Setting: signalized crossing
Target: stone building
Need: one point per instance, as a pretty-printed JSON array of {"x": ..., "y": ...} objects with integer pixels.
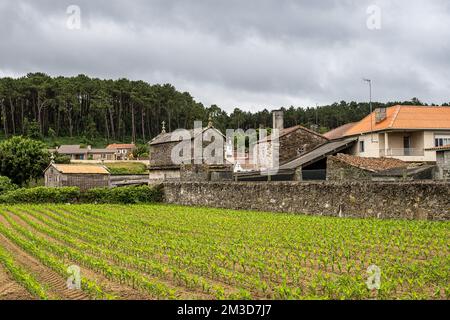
[
  {"x": 443, "y": 162},
  {"x": 83, "y": 176},
  {"x": 292, "y": 143},
  {"x": 193, "y": 167}
]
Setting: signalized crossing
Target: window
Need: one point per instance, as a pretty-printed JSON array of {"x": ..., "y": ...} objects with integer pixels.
[
  {"x": 361, "y": 147},
  {"x": 442, "y": 140}
]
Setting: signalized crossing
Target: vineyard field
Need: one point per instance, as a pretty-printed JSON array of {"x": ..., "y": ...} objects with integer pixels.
[{"x": 149, "y": 252}]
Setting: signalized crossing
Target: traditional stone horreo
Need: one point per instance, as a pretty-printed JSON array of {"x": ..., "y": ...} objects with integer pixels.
[
  {"x": 83, "y": 176},
  {"x": 193, "y": 166}
]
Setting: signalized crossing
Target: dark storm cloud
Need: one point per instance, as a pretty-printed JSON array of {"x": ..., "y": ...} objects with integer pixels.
[{"x": 252, "y": 54}]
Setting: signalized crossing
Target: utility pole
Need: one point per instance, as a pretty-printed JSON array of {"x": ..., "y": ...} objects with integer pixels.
[{"x": 369, "y": 81}]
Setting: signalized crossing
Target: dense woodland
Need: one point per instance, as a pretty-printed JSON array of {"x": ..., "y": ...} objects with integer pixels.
[{"x": 124, "y": 110}]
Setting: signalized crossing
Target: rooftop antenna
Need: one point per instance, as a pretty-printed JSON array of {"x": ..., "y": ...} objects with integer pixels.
[
  {"x": 317, "y": 114},
  {"x": 369, "y": 81}
]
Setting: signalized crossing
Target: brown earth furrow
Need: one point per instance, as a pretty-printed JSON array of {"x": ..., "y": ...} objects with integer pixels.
[
  {"x": 57, "y": 287},
  {"x": 118, "y": 289},
  {"x": 10, "y": 289},
  {"x": 121, "y": 291}
]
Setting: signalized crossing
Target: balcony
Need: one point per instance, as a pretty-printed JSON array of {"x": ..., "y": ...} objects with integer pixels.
[{"x": 402, "y": 152}]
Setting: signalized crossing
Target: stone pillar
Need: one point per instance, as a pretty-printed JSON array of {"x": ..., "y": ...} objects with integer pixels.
[
  {"x": 386, "y": 144},
  {"x": 298, "y": 176}
]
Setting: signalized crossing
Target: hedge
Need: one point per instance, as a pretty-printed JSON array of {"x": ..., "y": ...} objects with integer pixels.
[{"x": 141, "y": 194}]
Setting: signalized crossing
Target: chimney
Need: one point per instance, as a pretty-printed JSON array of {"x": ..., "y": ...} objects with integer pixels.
[
  {"x": 380, "y": 115},
  {"x": 278, "y": 120}
]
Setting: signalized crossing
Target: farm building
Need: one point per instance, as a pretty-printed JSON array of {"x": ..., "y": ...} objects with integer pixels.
[
  {"x": 443, "y": 162},
  {"x": 83, "y": 176},
  {"x": 292, "y": 142},
  {"x": 193, "y": 167},
  {"x": 76, "y": 152}
]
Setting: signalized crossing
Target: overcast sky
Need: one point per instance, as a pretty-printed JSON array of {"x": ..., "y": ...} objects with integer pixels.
[{"x": 253, "y": 54}]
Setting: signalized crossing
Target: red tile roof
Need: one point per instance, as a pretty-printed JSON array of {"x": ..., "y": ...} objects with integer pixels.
[
  {"x": 121, "y": 146},
  {"x": 442, "y": 148},
  {"x": 339, "y": 132},
  {"x": 405, "y": 117}
]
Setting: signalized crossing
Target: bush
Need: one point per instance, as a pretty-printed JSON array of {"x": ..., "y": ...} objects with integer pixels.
[
  {"x": 61, "y": 158},
  {"x": 142, "y": 194},
  {"x": 6, "y": 185},
  {"x": 42, "y": 195},
  {"x": 126, "y": 195}
]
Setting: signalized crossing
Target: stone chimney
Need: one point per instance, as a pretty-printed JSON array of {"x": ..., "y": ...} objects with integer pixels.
[
  {"x": 278, "y": 119},
  {"x": 380, "y": 115}
]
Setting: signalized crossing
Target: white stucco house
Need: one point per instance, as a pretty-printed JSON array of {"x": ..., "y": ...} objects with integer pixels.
[{"x": 403, "y": 132}]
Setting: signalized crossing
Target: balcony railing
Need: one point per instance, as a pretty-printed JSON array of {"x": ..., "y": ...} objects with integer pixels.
[{"x": 402, "y": 152}]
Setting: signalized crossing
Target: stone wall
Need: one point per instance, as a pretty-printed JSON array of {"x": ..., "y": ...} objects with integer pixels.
[
  {"x": 161, "y": 154},
  {"x": 383, "y": 200}
]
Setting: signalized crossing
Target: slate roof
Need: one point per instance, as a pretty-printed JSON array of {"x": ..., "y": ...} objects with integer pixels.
[
  {"x": 71, "y": 149},
  {"x": 287, "y": 131},
  {"x": 173, "y": 137},
  {"x": 319, "y": 153}
]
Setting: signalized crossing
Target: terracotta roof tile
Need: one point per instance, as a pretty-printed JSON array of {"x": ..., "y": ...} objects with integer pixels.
[
  {"x": 442, "y": 148},
  {"x": 405, "y": 117},
  {"x": 339, "y": 132},
  {"x": 121, "y": 146}
]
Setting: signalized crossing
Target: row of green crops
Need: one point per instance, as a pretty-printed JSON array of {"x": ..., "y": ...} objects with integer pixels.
[
  {"x": 23, "y": 277},
  {"x": 179, "y": 252}
]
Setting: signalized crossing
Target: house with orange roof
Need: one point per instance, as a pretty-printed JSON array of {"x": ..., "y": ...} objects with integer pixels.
[
  {"x": 403, "y": 132},
  {"x": 123, "y": 151}
]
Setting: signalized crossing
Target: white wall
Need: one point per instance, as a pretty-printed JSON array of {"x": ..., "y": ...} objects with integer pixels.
[{"x": 419, "y": 140}]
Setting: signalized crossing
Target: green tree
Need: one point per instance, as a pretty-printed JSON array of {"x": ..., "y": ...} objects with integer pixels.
[
  {"x": 23, "y": 159},
  {"x": 34, "y": 131},
  {"x": 6, "y": 185}
]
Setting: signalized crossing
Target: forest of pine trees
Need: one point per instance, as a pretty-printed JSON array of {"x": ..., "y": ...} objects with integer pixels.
[{"x": 124, "y": 110}]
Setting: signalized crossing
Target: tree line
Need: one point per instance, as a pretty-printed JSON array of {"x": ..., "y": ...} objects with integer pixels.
[{"x": 125, "y": 110}]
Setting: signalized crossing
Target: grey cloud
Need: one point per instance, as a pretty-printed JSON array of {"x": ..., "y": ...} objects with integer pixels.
[{"x": 252, "y": 54}]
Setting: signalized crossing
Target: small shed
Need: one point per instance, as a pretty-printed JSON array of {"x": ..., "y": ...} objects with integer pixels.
[
  {"x": 83, "y": 176},
  {"x": 442, "y": 162}
]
